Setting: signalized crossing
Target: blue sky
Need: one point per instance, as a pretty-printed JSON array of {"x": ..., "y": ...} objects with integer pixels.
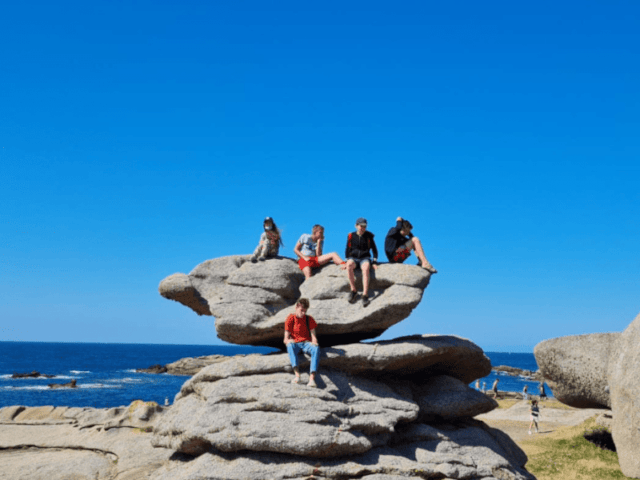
[{"x": 138, "y": 139}]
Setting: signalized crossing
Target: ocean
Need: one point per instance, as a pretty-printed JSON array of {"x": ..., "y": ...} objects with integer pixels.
[{"x": 106, "y": 373}]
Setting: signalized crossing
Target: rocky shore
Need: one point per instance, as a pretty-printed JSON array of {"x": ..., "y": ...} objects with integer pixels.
[{"x": 394, "y": 409}]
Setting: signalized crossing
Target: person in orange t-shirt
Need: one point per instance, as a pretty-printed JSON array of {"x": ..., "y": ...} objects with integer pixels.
[{"x": 300, "y": 336}]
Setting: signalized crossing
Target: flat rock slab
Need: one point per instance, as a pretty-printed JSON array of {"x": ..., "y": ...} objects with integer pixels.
[
  {"x": 251, "y": 300},
  {"x": 50, "y": 443},
  {"x": 455, "y": 451}
]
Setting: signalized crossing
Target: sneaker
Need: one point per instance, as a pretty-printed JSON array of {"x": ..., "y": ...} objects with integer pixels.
[
  {"x": 312, "y": 383},
  {"x": 262, "y": 259},
  {"x": 254, "y": 258},
  {"x": 365, "y": 300},
  {"x": 352, "y": 296}
]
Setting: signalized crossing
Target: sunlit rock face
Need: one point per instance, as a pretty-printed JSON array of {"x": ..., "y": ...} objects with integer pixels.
[{"x": 251, "y": 301}]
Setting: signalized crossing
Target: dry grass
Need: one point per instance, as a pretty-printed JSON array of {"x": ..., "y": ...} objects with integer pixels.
[{"x": 566, "y": 455}]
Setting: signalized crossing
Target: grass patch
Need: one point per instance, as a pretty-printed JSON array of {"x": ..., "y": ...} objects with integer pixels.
[{"x": 567, "y": 455}]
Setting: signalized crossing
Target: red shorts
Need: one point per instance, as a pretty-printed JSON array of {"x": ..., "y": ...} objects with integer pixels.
[
  {"x": 313, "y": 263},
  {"x": 401, "y": 255}
]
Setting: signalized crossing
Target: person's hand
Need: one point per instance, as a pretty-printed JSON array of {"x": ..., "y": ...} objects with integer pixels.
[
  {"x": 315, "y": 343},
  {"x": 399, "y": 219},
  {"x": 306, "y": 259},
  {"x": 343, "y": 266},
  {"x": 375, "y": 266}
]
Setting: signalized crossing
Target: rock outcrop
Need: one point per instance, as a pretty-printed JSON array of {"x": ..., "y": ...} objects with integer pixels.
[
  {"x": 251, "y": 300},
  {"x": 48, "y": 443},
  {"x": 575, "y": 368},
  {"x": 603, "y": 371},
  {"x": 395, "y": 409}
]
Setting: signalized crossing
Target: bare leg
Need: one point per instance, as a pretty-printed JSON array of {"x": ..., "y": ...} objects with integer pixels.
[
  {"x": 307, "y": 272},
  {"x": 351, "y": 266},
  {"x": 417, "y": 246},
  {"x": 365, "y": 277},
  {"x": 326, "y": 258}
]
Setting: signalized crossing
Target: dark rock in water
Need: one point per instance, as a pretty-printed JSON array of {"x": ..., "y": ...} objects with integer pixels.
[
  {"x": 519, "y": 372},
  {"x": 71, "y": 384},
  {"x": 33, "y": 374},
  {"x": 251, "y": 300},
  {"x": 153, "y": 369}
]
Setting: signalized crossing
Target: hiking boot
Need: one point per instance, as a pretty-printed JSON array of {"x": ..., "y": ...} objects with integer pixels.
[
  {"x": 365, "y": 300},
  {"x": 262, "y": 258},
  {"x": 352, "y": 296},
  {"x": 254, "y": 258}
]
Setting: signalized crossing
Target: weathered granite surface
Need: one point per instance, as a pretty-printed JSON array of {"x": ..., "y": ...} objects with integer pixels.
[
  {"x": 51, "y": 443},
  {"x": 365, "y": 390},
  {"x": 600, "y": 370},
  {"x": 251, "y": 300},
  {"x": 624, "y": 384},
  {"x": 575, "y": 367},
  {"x": 464, "y": 450}
]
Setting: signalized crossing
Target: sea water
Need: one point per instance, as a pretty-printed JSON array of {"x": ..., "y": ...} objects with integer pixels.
[{"x": 106, "y": 373}]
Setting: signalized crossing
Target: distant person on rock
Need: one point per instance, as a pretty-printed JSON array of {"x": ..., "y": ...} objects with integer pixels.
[
  {"x": 494, "y": 388},
  {"x": 478, "y": 385},
  {"x": 400, "y": 241},
  {"x": 525, "y": 392},
  {"x": 484, "y": 387},
  {"x": 300, "y": 336},
  {"x": 535, "y": 414},
  {"x": 360, "y": 244},
  {"x": 309, "y": 252},
  {"x": 270, "y": 241}
]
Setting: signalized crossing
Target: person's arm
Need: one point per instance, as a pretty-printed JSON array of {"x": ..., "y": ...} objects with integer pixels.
[
  {"x": 375, "y": 252},
  {"x": 314, "y": 339},
  {"x": 297, "y": 251},
  {"x": 287, "y": 337},
  {"x": 319, "y": 246},
  {"x": 347, "y": 250}
]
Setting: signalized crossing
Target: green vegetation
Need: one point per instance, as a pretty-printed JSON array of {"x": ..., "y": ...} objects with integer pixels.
[{"x": 567, "y": 455}]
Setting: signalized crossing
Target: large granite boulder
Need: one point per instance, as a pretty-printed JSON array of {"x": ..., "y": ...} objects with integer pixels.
[
  {"x": 603, "y": 371},
  {"x": 575, "y": 367},
  {"x": 251, "y": 300},
  {"x": 466, "y": 449},
  {"x": 624, "y": 383},
  {"x": 365, "y": 391}
]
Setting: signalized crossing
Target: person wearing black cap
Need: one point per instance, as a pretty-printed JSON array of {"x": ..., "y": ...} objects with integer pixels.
[
  {"x": 360, "y": 244},
  {"x": 400, "y": 241}
]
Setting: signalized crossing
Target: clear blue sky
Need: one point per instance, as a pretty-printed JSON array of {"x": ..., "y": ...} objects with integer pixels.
[{"x": 138, "y": 139}]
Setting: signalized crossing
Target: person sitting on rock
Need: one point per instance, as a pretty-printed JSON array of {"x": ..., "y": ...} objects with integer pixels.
[
  {"x": 400, "y": 241},
  {"x": 300, "y": 336},
  {"x": 270, "y": 241},
  {"x": 358, "y": 253},
  {"x": 309, "y": 251}
]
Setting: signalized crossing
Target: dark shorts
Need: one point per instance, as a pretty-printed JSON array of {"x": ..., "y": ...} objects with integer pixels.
[
  {"x": 401, "y": 255},
  {"x": 312, "y": 263}
]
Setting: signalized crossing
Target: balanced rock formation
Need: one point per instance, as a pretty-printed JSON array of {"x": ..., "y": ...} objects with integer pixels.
[
  {"x": 600, "y": 371},
  {"x": 395, "y": 408},
  {"x": 251, "y": 300},
  {"x": 49, "y": 443}
]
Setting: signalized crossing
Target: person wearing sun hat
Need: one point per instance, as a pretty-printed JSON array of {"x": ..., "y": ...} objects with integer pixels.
[{"x": 360, "y": 244}]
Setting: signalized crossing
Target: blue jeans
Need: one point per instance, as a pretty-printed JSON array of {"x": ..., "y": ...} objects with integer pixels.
[{"x": 307, "y": 347}]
